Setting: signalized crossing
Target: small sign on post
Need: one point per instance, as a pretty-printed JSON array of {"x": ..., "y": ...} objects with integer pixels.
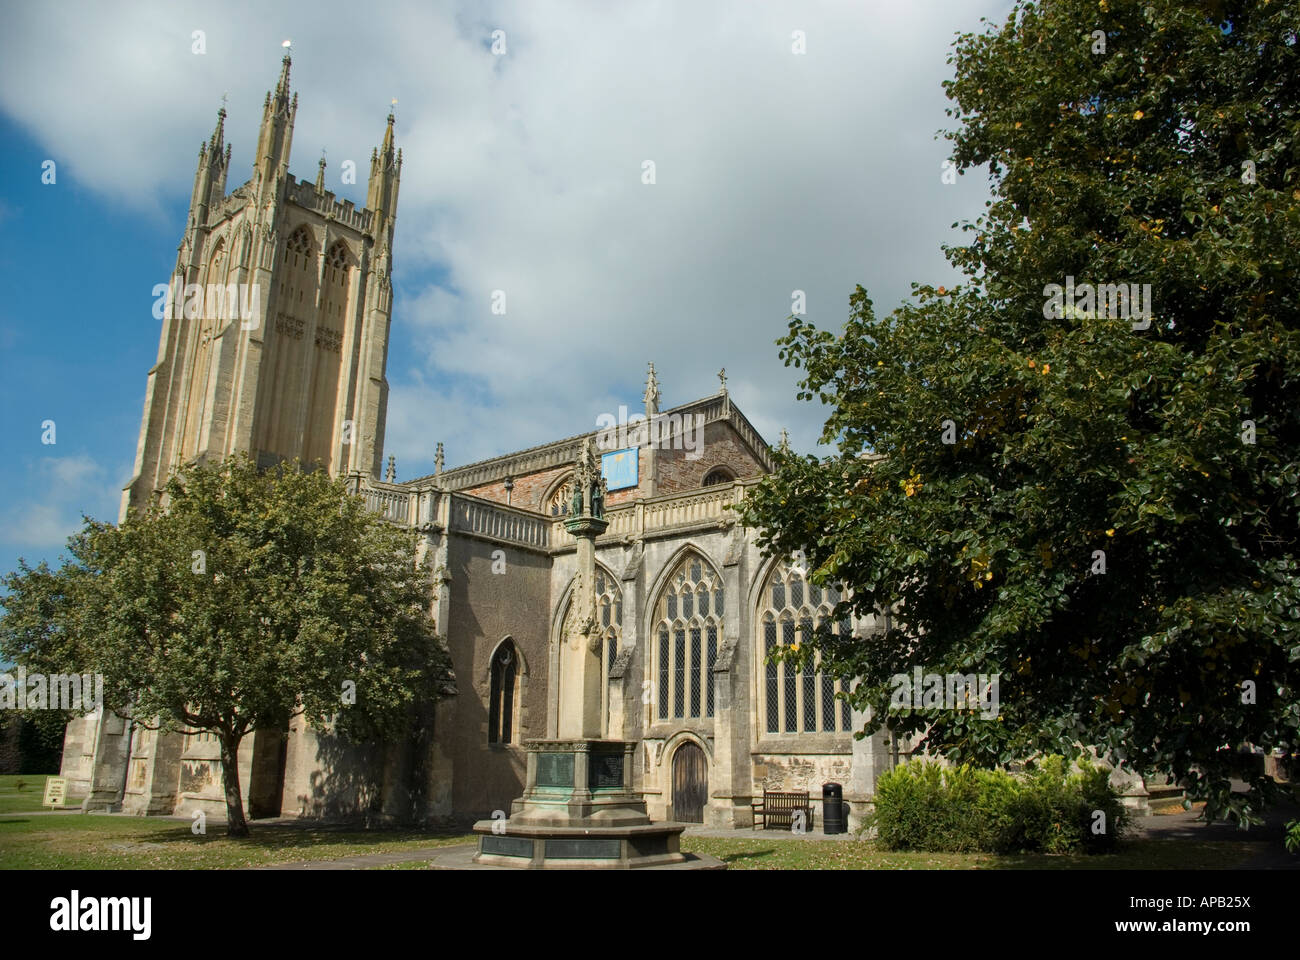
[{"x": 56, "y": 790}]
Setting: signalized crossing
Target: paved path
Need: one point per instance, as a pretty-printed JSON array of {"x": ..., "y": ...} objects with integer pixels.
[
  {"x": 39, "y": 813},
  {"x": 1186, "y": 824}
]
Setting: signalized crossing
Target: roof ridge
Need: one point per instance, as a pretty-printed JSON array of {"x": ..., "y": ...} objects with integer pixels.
[{"x": 465, "y": 467}]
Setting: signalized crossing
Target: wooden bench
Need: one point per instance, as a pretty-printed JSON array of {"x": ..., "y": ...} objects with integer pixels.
[{"x": 778, "y": 809}]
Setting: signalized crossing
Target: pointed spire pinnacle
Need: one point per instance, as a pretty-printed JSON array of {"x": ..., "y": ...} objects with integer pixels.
[
  {"x": 386, "y": 151},
  {"x": 390, "y": 475},
  {"x": 651, "y": 392},
  {"x": 722, "y": 378},
  {"x": 784, "y": 445},
  {"x": 320, "y": 173},
  {"x": 275, "y": 139},
  {"x": 282, "y": 88},
  {"x": 218, "y": 139},
  {"x": 437, "y": 460}
]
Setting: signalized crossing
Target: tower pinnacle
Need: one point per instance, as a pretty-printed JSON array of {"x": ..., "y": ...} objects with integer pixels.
[{"x": 651, "y": 392}]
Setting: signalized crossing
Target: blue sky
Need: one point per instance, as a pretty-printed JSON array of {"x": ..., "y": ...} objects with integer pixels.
[{"x": 522, "y": 172}]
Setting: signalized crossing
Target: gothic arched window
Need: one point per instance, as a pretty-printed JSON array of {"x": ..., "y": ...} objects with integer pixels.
[
  {"x": 333, "y": 300},
  {"x": 337, "y": 258},
  {"x": 557, "y": 505},
  {"x": 216, "y": 261},
  {"x": 501, "y": 698},
  {"x": 298, "y": 248},
  {"x": 798, "y": 699},
  {"x": 688, "y": 627},
  {"x": 609, "y": 610},
  {"x": 716, "y": 476},
  {"x": 299, "y": 274}
]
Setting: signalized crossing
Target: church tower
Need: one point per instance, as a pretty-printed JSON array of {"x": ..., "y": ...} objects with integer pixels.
[{"x": 275, "y": 322}]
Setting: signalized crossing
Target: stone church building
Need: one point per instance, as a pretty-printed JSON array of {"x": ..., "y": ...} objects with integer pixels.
[{"x": 688, "y": 606}]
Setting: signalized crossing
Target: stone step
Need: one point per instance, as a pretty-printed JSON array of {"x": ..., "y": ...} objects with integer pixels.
[
  {"x": 1165, "y": 803},
  {"x": 1164, "y": 792}
]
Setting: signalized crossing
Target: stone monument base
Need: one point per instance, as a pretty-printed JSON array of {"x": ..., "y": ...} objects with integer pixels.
[{"x": 579, "y": 811}]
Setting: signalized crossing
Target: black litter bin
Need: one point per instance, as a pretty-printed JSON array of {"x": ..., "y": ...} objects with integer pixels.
[{"x": 833, "y": 809}]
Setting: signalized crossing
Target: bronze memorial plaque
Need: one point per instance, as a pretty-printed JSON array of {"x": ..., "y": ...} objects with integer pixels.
[
  {"x": 606, "y": 770},
  {"x": 555, "y": 770}
]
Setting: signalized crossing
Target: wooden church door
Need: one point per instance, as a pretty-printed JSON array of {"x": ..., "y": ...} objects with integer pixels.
[{"x": 690, "y": 784}]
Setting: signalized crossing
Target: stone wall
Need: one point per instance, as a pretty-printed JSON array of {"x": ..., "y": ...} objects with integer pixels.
[
  {"x": 529, "y": 491},
  {"x": 485, "y": 608},
  {"x": 677, "y": 469},
  {"x": 678, "y": 473},
  {"x": 797, "y": 773}
]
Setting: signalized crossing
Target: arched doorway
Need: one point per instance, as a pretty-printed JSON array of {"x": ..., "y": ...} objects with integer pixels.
[{"x": 690, "y": 783}]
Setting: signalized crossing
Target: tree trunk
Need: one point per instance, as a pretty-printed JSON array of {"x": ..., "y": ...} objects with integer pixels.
[{"x": 236, "y": 825}]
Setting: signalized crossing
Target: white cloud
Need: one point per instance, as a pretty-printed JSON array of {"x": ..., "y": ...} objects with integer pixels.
[
  {"x": 56, "y": 493},
  {"x": 522, "y": 173}
]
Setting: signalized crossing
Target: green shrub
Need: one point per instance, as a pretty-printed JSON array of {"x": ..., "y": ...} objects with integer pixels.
[
  {"x": 996, "y": 811},
  {"x": 925, "y": 806}
]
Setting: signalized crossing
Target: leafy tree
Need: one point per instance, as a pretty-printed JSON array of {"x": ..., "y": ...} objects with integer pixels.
[
  {"x": 40, "y": 741},
  {"x": 238, "y": 600},
  {"x": 1102, "y": 509}
]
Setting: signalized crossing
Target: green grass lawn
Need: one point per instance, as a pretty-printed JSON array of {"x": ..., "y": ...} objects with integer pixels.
[
  {"x": 14, "y": 799},
  {"x": 96, "y": 842},
  {"x": 813, "y": 853}
]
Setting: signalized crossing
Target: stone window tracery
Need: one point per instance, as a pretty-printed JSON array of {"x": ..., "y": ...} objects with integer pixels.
[
  {"x": 558, "y": 503},
  {"x": 687, "y": 632},
  {"x": 298, "y": 248},
  {"x": 798, "y": 699}
]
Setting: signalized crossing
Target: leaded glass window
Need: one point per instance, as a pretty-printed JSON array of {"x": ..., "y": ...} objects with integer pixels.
[
  {"x": 798, "y": 699},
  {"x": 501, "y": 698},
  {"x": 557, "y": 505},
  {"x": 689, "y": 624}
]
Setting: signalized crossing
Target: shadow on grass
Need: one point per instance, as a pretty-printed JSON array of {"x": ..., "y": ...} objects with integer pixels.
[
  {"x": 293, "y": 836},
  {"x": 744, "y": 855},
  {"x": 1140, "y": 854}
]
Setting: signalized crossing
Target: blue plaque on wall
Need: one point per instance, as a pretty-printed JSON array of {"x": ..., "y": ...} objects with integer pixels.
[{"x": 619, "y": 468}]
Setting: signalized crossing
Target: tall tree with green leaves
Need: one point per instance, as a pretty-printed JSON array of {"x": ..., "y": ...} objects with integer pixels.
[
  {"x": 239, "y": 599},
  {"x": 1096, "y": 501}
]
